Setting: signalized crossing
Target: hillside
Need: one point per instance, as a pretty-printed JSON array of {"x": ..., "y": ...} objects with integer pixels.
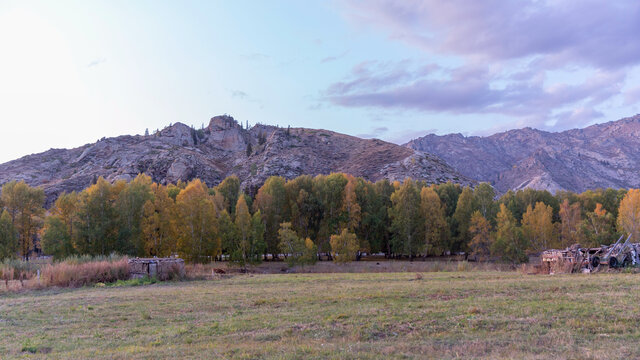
[
  {"x": 179, "y": 152},
  {"x": 603, "y": 155}
]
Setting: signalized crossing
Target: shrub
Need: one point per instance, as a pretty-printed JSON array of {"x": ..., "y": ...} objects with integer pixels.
[
  {"x": 344, "y": 246},
  {"x": 11, "y": 269},
  {"x": 69, "y": 274}
]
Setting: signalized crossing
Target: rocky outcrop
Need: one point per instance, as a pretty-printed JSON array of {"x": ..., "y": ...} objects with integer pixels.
[
  {"x": 603, "y": 155},
  {"x": 180, "y": 152}
]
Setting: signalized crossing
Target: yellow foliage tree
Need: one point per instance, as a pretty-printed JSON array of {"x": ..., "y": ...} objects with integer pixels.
[
  {"x": 570, "y": 216},
  {"x": 271, "y": 201},
  {"x": 197, "y": 239},
  {"x": 509, "y": 242},
  {"x": 66, "y": 207},
  {"x": 158, "y": 223},
  {"x": 243, "y": 226},
  {"x": 629, "y": 214},
  {"x": 537, "y": 227},
  {"x": 350, "y": 204},
  {"x": 344, "y": 246},
  {"x": 434, "y": 221},
  {"x": 480, "y": 230},
  {"x": 24, "y": 205}
]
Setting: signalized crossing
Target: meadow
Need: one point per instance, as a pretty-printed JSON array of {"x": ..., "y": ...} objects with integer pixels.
[{"x": 479, "y": 314}]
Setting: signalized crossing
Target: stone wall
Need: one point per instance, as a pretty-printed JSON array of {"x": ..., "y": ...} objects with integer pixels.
[{"x": 160, "y": 268}]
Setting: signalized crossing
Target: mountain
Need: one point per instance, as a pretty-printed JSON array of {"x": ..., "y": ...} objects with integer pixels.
[
  {"x": 179, "y": 152},
  {"x": 599, "y": 156}
]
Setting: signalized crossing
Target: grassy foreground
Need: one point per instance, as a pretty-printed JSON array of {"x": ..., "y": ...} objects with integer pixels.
[{"x": 369, "y": 316}]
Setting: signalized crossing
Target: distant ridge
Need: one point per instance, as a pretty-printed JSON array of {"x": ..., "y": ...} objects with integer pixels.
[
  {"x": 179, "y": 152},
  {"x": 599, "y": 156}
]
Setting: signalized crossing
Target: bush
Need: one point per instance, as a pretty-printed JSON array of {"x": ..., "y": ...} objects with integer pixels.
[
  {"x": 344, "y": 246},
  {"x": 70, "y": 274},
  {"x": 82, "y": 259},
  {"x": 11, "y": 269}
]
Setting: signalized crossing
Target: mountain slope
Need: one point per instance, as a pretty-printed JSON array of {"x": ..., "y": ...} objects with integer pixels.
[
  {"x": 603, "y": 155},
  {"x": 179, "y": 152}
]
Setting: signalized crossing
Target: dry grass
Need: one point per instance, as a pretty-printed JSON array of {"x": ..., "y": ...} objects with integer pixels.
[
  {"x": 73, "y": 272},
  {"x": 76, "y": 275},
  {"x": 469, "y": 315},
  {"x": 206, "y": 271},
  {"x": 382, "y": 266}
]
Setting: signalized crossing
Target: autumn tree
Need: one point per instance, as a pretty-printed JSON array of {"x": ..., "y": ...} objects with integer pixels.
[
  {"x": 483, "y": 197},
  {"x": 197, "y": 236},
  {"x": 57, "y": 237},
  {"x": 227, "y": 232},
  {"x": 570, "y": 218},
  {"x": 509, "y": 243},
  {"x": 129, "y": 207},
  {"x": 598, "y": 227},
  {"x": 24, "y": 205},
  {"x": 449, "y": 194},
  {"x": 350, "y": 205},
  {"x": 330, "y": 191},
  {"x": 243, "y": 226},
  {"x": 95, "y": 226},
  {"x": 629, "y": 214},
  {"x": 435, "y": 224},
  {"x": 66, "y": 209},
  {"x": 310, "y": 255},
  {"x": 304, "y": 207},
  {"x": 271, "y": 201},
  {"x": 380, "y": 221},
  {"x": 609, "y": 200},
  {"x": 229, "y": 188},
  {"x": 258, "y": 245},
  {"x": 538, "y": 228},
  {"x": 8, "y": 237},
  {"x": 480, "y": 230},
  {"x": 158, "y": 223},
  {"x": 462, "y": 219},
  {"x": 344, "y": 246},
  {"x": 56, "y": 240},
  {"x": 292, "y": 246},
  {"x": 373, "y": 230},
  {"x": 248, "y": 245},
  {"x": 406, "y": 222}
]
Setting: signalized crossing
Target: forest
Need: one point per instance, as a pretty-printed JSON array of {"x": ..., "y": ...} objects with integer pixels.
[{"x": 295, "y": 220}]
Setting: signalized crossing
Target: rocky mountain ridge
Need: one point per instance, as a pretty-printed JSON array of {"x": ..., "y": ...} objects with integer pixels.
[
  {"x": 224, "y": 148},
  {"x": 598, "y": 156}
]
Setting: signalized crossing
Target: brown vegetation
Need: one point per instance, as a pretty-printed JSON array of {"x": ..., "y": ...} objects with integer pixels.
[{"x": 66, "y": 274}]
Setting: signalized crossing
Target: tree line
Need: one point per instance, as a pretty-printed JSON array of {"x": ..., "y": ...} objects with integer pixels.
[{"x": 337, "y": 214}]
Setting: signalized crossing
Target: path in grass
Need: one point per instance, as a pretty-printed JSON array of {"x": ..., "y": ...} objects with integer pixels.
[{"x": 393, "y": 315}]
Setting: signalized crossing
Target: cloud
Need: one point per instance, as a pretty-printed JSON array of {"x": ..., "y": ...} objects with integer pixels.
[
  {"x": 334, "y": 58},
  {"x": 374, "y": 133},
  {"x": 403, "y": 137},
  {"x": 96, "y": 62},
  {"x": 243, "y": 96},
  {"x": 577, "y": 118},
  {"x": 543, "y": 63},
  {"x": 632, "y": 96},
  {"x": 315, "y": 107},
  {"x": 593, "y": 32},
  {"x": 238, "y": 94},
  {"x": 469, "y": 90}
]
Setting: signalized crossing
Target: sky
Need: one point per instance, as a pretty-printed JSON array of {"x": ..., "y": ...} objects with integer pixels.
[{"x": 72, "y": 72}]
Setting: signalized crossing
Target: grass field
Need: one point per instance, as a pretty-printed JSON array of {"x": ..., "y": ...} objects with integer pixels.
[{"x": 369, "y": 316}]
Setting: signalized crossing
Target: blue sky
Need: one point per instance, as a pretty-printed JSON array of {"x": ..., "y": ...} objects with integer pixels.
[{"x": 74, "y": 71}]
